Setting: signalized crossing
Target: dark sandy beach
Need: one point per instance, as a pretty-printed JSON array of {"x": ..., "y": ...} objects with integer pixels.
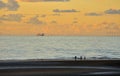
[{"x": 59, "y": 67}]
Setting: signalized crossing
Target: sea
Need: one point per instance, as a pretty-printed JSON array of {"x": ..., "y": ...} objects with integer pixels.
[{"x": 59, "y": 47}]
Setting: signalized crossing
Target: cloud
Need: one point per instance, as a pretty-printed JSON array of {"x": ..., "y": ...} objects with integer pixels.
[
  {"x": 56, "y": 14},
  {"x": 54, "y": 22},
  {"x": 93, "y": 14},
  {"x": 65, "y": 11},
  {"x": 43, "y": 15},
  {"x": 11, "y": 5},
  {"x": 112, "y": 11},
  {"x": 11, "y": 17},
  {"x": 35, "y": 20},
  {"x": 2, "y": 5},
  {"x": 75, "y": 21},
  {"x": 45, "y": 0}
]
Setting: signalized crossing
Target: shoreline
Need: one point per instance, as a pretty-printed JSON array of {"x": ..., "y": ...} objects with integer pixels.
[
  {"x": 59, "y": 67},
  {"x": 50, "y": 62}
]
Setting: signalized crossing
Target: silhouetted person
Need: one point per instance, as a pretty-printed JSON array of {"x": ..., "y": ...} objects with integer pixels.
[
  {"x": 80, "y": 57},
  {"x": 84, "y": 58},
  {"x": 75, "y": 58}
]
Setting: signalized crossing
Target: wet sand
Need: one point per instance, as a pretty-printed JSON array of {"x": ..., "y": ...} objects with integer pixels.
[{"x": 59, "y": 67}]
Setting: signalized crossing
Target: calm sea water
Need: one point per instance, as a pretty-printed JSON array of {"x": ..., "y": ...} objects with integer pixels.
[{"x": 54, "y": 47}]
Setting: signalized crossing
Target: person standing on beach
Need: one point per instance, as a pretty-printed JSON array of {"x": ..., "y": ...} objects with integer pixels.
[
  {"x": 75, "y": 58},
  {"x": 84, "y": 58},
  {"x": 80, "y": 57}
]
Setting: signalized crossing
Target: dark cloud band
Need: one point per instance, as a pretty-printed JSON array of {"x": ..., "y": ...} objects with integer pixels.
[
  {"x": 11, "y": 5},
  {"x": 112, "y": 11},
  {"x": 11, "y": 17},
  {"x": 93, "y": 14},
  {"x": 45, "y": 0},
  {"x": 34, "y": 20},
  {"x": 65, "y": 11}
]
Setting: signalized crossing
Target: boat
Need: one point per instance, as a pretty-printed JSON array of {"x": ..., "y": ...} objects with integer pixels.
[{"x": 41, "y": 34}]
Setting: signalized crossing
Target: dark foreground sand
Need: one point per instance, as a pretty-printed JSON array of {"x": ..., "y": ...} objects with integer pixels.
[{"x": 60, "y": 68}]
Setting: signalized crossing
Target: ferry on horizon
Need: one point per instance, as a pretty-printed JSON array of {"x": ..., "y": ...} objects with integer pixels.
[{"x": 42, "y": 34}]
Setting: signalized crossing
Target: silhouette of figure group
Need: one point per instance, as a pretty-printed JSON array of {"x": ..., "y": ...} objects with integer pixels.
[{"x": 81, "y": 58}]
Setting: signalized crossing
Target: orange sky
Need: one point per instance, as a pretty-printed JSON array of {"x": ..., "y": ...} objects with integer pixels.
[{"x": 60, "y": 17}]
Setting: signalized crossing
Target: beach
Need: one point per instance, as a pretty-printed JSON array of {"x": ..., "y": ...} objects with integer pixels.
[{"x": 59, "y": 67}]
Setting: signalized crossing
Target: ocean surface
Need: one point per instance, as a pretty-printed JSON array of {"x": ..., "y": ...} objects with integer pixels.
[{"x": 58, "y": 47}]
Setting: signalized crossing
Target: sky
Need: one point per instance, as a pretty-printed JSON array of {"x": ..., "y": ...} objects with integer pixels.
[{"x": 60, "y": 17}]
